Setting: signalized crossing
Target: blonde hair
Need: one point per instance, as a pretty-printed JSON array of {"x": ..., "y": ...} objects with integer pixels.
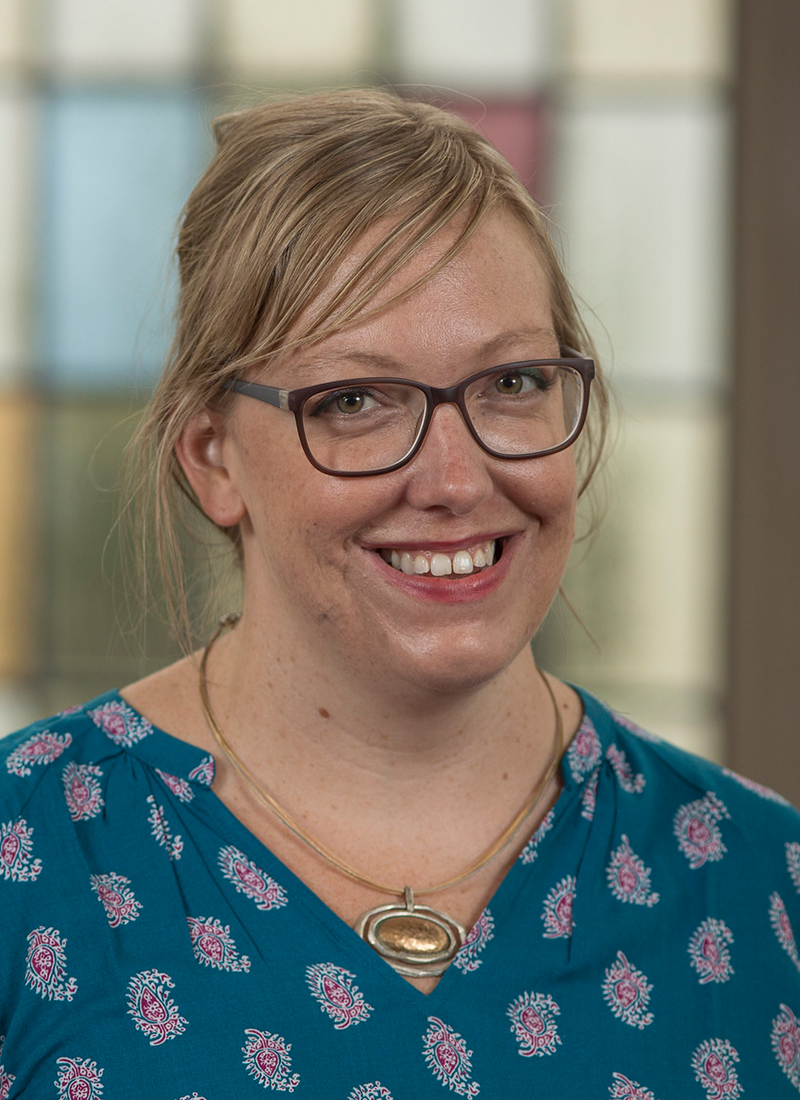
[{"x": 293, "y": 185}]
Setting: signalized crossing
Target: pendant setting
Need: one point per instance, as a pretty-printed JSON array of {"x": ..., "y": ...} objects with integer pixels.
[{"x": 418, "y": 941}]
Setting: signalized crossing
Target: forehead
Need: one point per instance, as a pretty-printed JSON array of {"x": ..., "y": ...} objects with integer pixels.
[{"x": 491, "y": 299}]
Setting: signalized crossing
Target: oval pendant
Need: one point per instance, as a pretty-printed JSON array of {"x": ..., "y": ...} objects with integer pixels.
[{"x": 416, "y": 940}]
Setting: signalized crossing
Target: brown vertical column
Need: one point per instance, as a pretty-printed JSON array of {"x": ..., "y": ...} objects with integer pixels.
[{"x": 764, "y": 695}]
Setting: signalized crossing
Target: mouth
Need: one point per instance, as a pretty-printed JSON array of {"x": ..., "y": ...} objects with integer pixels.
[{"x": 438, "y": 563}]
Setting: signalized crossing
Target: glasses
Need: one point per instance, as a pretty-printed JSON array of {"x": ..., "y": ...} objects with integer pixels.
[{"x": 363, "y": 426}]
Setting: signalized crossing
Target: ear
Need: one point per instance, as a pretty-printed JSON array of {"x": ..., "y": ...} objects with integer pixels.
[{"x": 202, "y": 452}]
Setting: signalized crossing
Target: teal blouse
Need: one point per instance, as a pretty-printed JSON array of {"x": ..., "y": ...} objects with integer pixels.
[{"x": 640, "y": 948}]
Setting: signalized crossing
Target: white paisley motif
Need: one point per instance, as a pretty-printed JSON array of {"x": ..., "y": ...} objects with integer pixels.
[
  {"x": 267, "y": 1058},
  {"x": 82, "y": 790},
  {"x": 585, "y": 752},
  {"x": 627, "y": 993},
  {"x": 117, "y": 899},
  {"x": 78, "y": 1079},
  {"x": 630, "y": 781},
  {"x": 558, "y": 906},
  {"x": 179, "y": 787},
  {"x": 533, "y": 1023},
  {"x": 42, "y": 748},
  {"x": 628, "y": 878},
  {"x": 708, "y": 951},
  {"x": 625, "y": 1089},
  {"x": 6, "y": 1079},
  {"x": 154, "y": 1012},
  {"x": 793, "y": 862},
  {"x": 120, "y": 723},
  {"x": 16, "y": 847},
  {"x": 372, "y": 1091},
  {"x": 531, "y": 849},
  {"x": 779, "y": 919},
  {"x": 467, "y": 960},
  {"x": 204, "y": 772},
  {"x": 333, "y": 988},
  {"x": 250, "y": 880},
  {"x": 589, "y": 795},
  {"x": 786, "y": 1044},
  {"x": 448, "y": 1059},
  {"x": 699, "y": 836},
  {"x": 714, "y": 1067},
  {"x": 213, "y": 945},
  {"x": 46, "y": 965},
  {"x": 636, "y": 730},
  {"x": 161, "y": 831}
]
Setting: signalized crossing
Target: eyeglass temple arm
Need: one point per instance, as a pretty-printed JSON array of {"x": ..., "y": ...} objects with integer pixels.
[{"x": 269, "y": 394}]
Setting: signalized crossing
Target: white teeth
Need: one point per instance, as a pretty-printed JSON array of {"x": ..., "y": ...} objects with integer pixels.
[
  {"x": 462, "y": 562},
  {"x": 441, "y": 566}
]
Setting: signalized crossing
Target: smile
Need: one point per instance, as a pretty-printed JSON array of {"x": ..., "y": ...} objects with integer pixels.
[{"x": 439, "y": 564}]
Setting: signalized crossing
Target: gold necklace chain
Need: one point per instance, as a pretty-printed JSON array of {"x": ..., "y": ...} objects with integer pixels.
[{"x": 321, "y": 849}]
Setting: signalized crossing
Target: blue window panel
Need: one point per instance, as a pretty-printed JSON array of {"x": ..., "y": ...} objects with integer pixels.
[{"x": 117, "y": 167}]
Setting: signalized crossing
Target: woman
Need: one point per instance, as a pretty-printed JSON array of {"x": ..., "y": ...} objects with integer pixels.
[{"x": 256, "y": 869}]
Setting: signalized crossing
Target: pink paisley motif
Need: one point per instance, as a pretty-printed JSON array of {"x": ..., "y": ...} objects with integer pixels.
[
  {"x": 179, "y": 787},
  {"x": 447, "y": 1057},
  {"x": 708, "y": 951},
  {"x": 557, "y": 913},
  {"x": 372, "y": 1091},
  {"x": 46, "y": 967},
  {"x": 154, "y": 1012},
  {"x": 250, "y": 880},
  {"x": 625, "y": 1089},
  {"x": 82, "y": 790},
  {"x": 121, "y": 723},
  {"x": 267, "y": 1059},
  {"x": 42, "y": 748},
  {"x": 628, "y": 878},
  {"x": 213, "y": 945},
  {"x": 204, "y": 772},
  {"x": 697, "y": 831},
  {"x": 333, "y": 988},
  {"x": 16, "y": 848},
  {"x": 585, "y": 751},
  {"x": 627, "y": 993},
  {"x": 779, "y": 919},
  {"x": 159, "y": 827},
  {"x": 589, "y": 795},
  {"x": 786, "y": 1043},
  {"x": 533, "y": 1023},
  {"x": 757, "y": 788},
  {"x": 467, "y": 960},
  {"x": 78, "y": 1080},
  {"x": 714, "y": 1068},
  {"x": 116, "y": 898},
  {"x": 6, "y": 1079},
  {"x": 793, "y": 863},
  {"x": 630, "y": 781}
]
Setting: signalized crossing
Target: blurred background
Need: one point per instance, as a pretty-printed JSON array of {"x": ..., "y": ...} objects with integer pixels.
[{"x": 661, "y": 139}]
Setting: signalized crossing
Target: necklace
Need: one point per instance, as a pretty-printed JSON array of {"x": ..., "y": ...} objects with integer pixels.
[{"x": 417, "y": 940}]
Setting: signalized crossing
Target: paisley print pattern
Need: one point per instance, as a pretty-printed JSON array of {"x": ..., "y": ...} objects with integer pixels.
[
  {"x": 709, "y": 951},
  {"x": 154, "y": 1012},
  {"x": 161, "y": 948},
  {"x": 46, "y": 965},
  {"x": 533, "y": 1022},
  {"x": 78, "y": 1079},
  {"x": 448, "y": 1059},
  {"x": 267, "y": 1059},
  {"x": 627, "y": 993},
  {"x": 333, "y": 988},
  {"x": 42, "y": 748}
]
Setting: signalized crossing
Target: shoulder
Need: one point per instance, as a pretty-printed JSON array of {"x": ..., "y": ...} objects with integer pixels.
[{"x": 688, "y": 787}]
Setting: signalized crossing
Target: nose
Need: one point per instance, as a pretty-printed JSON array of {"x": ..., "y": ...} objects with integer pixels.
[{"x": 450, "y": 470}]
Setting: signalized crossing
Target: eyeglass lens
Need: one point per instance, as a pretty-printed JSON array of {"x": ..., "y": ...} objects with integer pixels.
[{"x": 517, "y": 411}]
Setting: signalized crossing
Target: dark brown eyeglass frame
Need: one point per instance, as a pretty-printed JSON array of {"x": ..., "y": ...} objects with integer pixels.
[{"x": 294, "y": 400}]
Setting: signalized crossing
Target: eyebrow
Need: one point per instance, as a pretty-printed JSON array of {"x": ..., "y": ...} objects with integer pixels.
[{"x": 378, "y": 361}]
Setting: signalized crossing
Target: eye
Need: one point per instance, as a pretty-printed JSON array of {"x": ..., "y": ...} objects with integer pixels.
[
  {"x": 512, "y": 383},
  {"x": 346, "y": 402}
]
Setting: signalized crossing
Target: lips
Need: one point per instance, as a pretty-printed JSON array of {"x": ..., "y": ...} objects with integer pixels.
[{"x": 438, "y": 563}]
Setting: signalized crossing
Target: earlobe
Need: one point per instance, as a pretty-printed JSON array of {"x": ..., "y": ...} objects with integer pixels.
[{"x": 201, "y": 452}]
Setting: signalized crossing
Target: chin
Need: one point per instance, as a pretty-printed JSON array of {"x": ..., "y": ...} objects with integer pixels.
[{"x": 451, "y": 669}]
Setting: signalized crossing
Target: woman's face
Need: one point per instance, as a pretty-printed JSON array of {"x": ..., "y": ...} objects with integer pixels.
[{"x": 316, "y": 546}]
